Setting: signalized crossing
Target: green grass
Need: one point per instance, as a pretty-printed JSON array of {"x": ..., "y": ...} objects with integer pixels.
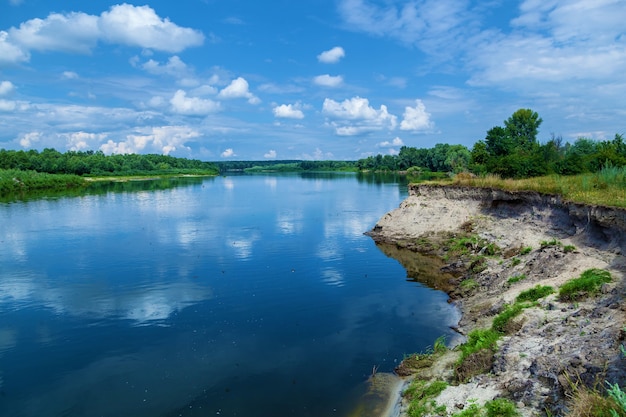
[
  {"x": 500, "y": 407},
  {"x": 420, "y": 394},
  {"x": 535, "y": 293},
  {"x": 479, "y": 339},
  {"x": 549, "y": 243},
  {"x": 516, "y": 261},
  {"x": 516, "y": 278},
  {"x": 586, "y": 285},
  {"x": 468, "y": 284},
  {"x": 501, "y": 321},
  {"x": 526, "y": 250},
  {"x": 569, "y": 248}
]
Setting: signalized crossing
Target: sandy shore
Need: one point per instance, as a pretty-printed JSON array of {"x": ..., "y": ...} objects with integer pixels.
[{"x": 554, "y": 342}]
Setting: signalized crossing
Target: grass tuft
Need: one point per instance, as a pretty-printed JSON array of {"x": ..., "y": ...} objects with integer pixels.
[
  {"x": 535, "y": 293},
  {"x": 586, "y": 285}
]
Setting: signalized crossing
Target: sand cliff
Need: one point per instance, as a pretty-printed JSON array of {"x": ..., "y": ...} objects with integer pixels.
[{"x": 553, "y": 344}]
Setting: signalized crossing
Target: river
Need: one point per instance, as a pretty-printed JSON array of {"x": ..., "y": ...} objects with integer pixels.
[{"x": 243, "y": 295}]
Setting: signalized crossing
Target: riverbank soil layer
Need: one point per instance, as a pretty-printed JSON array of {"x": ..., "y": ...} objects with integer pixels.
[{"x": 496, "y": 245}]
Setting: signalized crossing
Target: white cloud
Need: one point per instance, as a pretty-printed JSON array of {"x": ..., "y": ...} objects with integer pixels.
[
  {"x": 7, "y": 105},
  {"x": 271, "y": 154},
  {"x": 317, "y": 155},
  {"x": 239, "y": 88},
  {"x": 331, "y": 56},
  {"x": 6, "y": 87},
  {"x": 70, "y": 75},
  {"x": 163, "y": 139},
  {"x": 141, "y": 26},
  {"x": 355, "y": 116},
  {"x": 327, "y": 80},
  {"x": 174, "y": 67},
  {"x": 27, "y": 139},
  {"x": 288, "y": 111},
  {"x": 436, "y": 26},
  {"x": 192, "y": 106},
  {"x": 386, "y": 144},
  {"x": 228, "y": 153},
  {"x": 16, "y": 2},
  {"x": 73, "y": 32},
  {"x": 9, "y": 52},
  {"x": 76, "y": 32},
  {"x": 82, "y": 140},
  {"x": 416, "y": 118}
]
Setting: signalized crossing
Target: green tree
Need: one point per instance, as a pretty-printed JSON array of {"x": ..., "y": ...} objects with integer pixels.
[{"x": 522, "y": 128}]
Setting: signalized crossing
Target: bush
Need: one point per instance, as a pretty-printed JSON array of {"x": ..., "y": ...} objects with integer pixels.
[{"x": 587, "y": 284}]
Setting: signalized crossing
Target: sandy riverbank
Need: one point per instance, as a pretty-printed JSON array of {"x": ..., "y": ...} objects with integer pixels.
[{"x": 550, "y": 345}]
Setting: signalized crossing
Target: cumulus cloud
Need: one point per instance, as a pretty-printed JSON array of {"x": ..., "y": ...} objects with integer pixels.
[
  {"x": 9, "y": 52},
  {"x": 288, "y": 111},
  {"x": 386, "y": 144},
  {"x": 141, "y": 26},
  {"x": 174, "y": 67},
  {"x": 78, "y": 141},
  {"x": 331, "y": 56},
  {"x": 26, "y": 140},
  {"x": 327, "y": 80},
  {"x": 163, "y": 139},
  {"x": 228, "y": 153},
  {"x": 416, "y": 118},
  {"x": 192, "y": 106},
  {"x": 77, "y": 32},
  {"x": 6, "y": 87},
  {"x": 239, "y": 88},
  {"x": 355, "y": 116},
  {"x": 271, "y": 154}
]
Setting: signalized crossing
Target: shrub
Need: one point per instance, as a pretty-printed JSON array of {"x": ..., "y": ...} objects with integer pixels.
[
  {"x": 569, "y": 248},
  {"x": 587, "y": 284},
  {"x": 535, "y": 293}
]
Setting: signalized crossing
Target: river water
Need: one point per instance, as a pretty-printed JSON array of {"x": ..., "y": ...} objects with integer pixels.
[{"x": 251, "y": 295}]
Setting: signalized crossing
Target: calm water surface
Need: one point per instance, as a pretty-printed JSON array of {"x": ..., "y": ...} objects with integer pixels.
[{"x": 231, "y": 296}]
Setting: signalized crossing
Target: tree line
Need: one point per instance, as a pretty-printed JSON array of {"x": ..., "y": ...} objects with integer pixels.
[
  {"x": 511, "y": 151},
  {"x": 96, "y": 163}
]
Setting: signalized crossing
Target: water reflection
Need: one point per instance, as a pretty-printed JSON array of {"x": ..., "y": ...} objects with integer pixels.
[{"x": 218, "y": 296}]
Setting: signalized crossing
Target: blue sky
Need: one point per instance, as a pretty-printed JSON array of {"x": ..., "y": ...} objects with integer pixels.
[{"x": 309, "y": 79}]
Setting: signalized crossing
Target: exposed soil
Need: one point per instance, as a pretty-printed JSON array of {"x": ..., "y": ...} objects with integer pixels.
[{"x": 470, "y": 242}]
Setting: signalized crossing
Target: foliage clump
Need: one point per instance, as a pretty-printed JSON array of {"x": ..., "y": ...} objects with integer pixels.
[{"x": 586, "y": 285}]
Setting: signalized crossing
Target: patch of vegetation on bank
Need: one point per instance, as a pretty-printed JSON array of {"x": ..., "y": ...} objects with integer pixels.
[
  {"x": 606, "y": 187},
  {"x": 14, "y": 181},
  {"x": 588, "y": 284}
]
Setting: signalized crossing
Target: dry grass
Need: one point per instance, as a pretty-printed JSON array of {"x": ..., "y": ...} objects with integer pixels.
[
  {"x": 606, "y": 188},
  {"x": 590, "y": 403}
]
